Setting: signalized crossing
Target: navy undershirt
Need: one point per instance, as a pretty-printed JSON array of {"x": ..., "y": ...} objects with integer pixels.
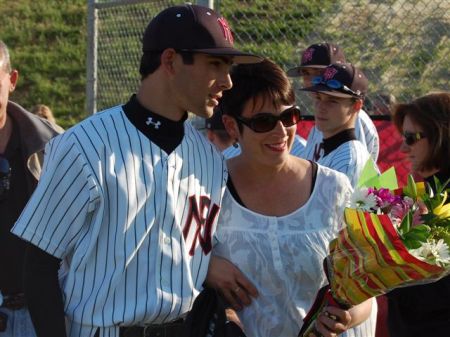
[
  {"x": 335, "y": 141},
  {"x": 165, "y": 133}
]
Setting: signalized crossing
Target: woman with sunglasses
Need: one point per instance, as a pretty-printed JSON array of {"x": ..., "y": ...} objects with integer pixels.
[
  {"x": 423, "y": 310},
  {"x": 278, "y": 215}
]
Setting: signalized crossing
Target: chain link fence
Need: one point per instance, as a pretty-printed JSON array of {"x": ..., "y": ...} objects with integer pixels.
[{"x": 403, "y": 46}]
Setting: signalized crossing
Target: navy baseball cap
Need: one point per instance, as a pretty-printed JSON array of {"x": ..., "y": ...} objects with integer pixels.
[
  {"x": 340, "y": 80},
  {"x": 193, "y": 28},
  {"x": 318, "y": 56}
]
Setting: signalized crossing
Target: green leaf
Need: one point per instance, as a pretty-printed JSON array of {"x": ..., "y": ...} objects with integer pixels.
[
  {"x": 412, "y": 244},
  {"x": 406, "y": 223},
  {"x": 411, "y": 189}
]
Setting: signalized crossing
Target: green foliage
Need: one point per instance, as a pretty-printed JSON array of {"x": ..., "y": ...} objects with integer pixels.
[
  {"x": 402, "y": 46},
  {"x": 47, "y": 43}
]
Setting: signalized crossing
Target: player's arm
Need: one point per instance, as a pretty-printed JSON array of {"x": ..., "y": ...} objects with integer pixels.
[
  {"x": 230, "y": 282},
  {"x": 43, "y": 293}
]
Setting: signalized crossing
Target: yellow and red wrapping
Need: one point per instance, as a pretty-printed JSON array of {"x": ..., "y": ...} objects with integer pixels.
[{"x": 368, "y": 259}]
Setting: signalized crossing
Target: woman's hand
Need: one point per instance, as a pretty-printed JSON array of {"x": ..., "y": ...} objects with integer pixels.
[
  {"x": 333, "y": 321},
  {"x": 230, "y": 282}
]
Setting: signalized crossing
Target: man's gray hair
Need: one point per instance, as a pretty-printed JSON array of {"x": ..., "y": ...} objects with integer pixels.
[{"x": 5, "y": 62}]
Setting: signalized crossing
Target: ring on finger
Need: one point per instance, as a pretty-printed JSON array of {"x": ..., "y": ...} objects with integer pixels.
[{"x": 237, "y": 289}]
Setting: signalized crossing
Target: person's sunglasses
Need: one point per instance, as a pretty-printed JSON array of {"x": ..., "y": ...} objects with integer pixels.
[
  {"x": 334, "y": 84},
  {"x": 5, "y": 177},
  {"x": 411, "y": 138},
  {"x": 265, "y": 122}
]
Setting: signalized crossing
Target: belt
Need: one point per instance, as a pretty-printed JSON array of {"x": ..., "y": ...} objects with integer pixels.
[
  {"x": 171, "y": 329},
  {"x": 14, "y": 302}
]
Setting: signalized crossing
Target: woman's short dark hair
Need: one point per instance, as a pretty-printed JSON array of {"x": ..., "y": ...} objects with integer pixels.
[
  {"x": 150, "y": 61},
  {"x": 432, "y": 113},
  {"x": 265, "y": 80}
]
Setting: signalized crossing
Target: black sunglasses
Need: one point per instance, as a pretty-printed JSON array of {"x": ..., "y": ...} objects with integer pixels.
[
  {"x": 412, "y": 137},
  {"x": 265, "y": 122},
  {"x": 5, "y": 176}
]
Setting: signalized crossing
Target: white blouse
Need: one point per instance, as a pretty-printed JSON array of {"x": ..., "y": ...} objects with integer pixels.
[{"x": 283, "y": 256}]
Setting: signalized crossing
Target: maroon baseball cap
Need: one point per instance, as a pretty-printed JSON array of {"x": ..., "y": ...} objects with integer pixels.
[
  {"x": 318, "y": 56},
  {"x": 340, "y": 80},
  {"x": 193, "y": 28}
]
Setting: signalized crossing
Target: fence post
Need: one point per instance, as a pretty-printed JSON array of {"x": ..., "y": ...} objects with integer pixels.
[
  {"x": 91, "y": 66},
  {"x": 206, "y": 3}
]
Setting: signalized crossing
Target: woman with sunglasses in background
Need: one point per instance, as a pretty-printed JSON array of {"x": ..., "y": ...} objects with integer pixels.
[
  {"x": 423, "y": 310},
  {"x": 278, "y": 215}
]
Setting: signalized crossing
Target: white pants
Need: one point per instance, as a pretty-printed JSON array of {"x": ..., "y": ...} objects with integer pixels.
[{"x": 19, "y": 323}]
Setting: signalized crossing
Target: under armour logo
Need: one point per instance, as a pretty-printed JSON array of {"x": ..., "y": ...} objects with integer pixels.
[{"x": 155, "y": 124}]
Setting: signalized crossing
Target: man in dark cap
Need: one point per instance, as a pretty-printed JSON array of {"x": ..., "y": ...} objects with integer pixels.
[
  {"x": 313, "y": 62},
  {"x": 130, "y": 196}
]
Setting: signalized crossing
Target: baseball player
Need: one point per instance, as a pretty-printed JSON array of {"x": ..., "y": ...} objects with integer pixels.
[
  {"x": 129, "y": 197},
  {"x": 313, "y": 62},
  {"x": 338, "y": 97}
]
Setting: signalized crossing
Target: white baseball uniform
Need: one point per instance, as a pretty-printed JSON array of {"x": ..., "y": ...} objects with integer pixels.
[
  {"x": 365, "y": 131},
  {"x": 133, "y": 223}
]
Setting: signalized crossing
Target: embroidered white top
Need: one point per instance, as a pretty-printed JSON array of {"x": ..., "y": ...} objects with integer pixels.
[{"x": 283, "y": 256}]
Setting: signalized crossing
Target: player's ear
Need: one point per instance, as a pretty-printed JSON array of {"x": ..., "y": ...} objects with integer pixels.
[
  {"x": 168, "y": 57},
  {"x": 358, "y": 104},
  {"x": 231, "y": 126}
]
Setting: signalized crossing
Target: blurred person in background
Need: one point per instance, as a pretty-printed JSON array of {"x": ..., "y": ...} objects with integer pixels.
[
  {"x": 43, "y": 111},
  {"x": 22, "y": 140},
  {"x": 424, "y": 123}
]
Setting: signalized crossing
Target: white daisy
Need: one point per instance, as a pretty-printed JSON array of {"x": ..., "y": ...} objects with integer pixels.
[
  {"x": 433, "y": 252},
  {"x": 363, "y": 200}
]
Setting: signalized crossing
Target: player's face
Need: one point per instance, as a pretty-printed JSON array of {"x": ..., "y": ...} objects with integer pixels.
[
  {"x": 418, "y": 151},
  {"x": 333, "y": 114},
  {"x": 271, "y": 147},
  {"x": 200, "y": 85},
  {"x": 308, "y": 74}
]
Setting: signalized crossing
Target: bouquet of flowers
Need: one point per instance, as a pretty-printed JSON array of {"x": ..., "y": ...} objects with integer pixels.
[{"x": 394, "y": 237}]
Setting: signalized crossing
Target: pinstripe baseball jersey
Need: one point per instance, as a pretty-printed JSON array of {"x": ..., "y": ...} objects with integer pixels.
[
  {"x": 348, "y": 158},
  {"x": 365, "y": 131},
  {"x": 297, "y": 147},
  {"x": 133, "y": 223}
]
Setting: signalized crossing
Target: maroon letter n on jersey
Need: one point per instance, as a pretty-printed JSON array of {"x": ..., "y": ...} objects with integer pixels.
[{"x": 197, "y": 213}]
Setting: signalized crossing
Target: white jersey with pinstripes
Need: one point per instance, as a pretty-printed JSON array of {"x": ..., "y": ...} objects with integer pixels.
[
  {"x": 348, "y": 158},
  {"x": 133, "y": 223},
  {"x": 365, "y": 131}
]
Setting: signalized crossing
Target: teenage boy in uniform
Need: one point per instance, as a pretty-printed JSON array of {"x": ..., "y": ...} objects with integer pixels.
[
  {"x": 338, "y": 96},
  {"x": 313, "y": 62}
]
